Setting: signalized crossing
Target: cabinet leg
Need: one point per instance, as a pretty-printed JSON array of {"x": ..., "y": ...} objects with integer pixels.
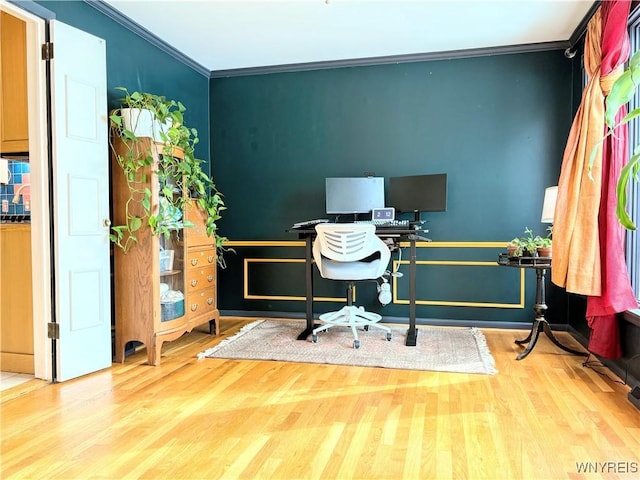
[
  {"x": 214, "y": 326},
  {"x": 119, "y": 354},
  {"x": 154, "y": 349}
]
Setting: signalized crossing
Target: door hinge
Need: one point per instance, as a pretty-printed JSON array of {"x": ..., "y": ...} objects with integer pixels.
[
  {"x": 53, "y": 330},
  {"x": 47, "y": 51}
]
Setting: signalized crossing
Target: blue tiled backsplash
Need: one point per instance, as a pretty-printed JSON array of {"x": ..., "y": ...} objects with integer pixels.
[{"x": 19, "y": 182}]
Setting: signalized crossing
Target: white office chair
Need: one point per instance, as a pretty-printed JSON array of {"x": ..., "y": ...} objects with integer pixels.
[{"x": 351, "y": 252}]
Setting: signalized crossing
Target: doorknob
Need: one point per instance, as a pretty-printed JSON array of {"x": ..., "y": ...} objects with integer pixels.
[{"x": 107, "y": 222}]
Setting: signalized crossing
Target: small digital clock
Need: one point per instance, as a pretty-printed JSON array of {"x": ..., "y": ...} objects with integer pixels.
[{"x": 386, "y": 213}]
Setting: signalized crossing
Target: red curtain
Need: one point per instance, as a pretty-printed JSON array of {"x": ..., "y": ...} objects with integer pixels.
[{"x": 616, "y": 292}]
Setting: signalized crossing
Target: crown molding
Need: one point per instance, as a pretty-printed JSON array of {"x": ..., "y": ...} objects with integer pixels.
[
  {"x": 410, "y": 58},
  {"x": 145, "y": 34}
]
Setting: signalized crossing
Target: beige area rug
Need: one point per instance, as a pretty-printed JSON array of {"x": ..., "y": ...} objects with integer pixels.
[{"x": 442, "y": 349}]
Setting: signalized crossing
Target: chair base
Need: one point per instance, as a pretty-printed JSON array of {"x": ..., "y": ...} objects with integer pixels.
[{"x": 350, "y": 316}]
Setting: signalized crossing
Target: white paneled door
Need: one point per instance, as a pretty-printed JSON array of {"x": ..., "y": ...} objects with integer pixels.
[{"x": 80, "y": 201}]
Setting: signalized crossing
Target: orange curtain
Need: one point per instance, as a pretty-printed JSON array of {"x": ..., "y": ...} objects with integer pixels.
[
  {"x": 588, "y": 241},
  {"x": 576, "y": 247}
]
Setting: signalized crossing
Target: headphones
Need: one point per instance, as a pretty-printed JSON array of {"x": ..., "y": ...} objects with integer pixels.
[{"x": 384, "y": 292}]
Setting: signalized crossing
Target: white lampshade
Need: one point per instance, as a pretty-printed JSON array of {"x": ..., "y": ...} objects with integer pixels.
[{"x": 549, "y": 204}]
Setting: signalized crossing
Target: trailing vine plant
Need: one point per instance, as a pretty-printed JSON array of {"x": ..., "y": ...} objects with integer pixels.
[{"x": 178, "y": 170}]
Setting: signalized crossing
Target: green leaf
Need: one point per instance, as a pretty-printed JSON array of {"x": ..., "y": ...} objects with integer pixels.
[
  {"x": 135, "y": 223},
  {"x": 128, "y": 135},
  {"x": 622, "y": 91},
  {"x": 634, "y": 61},
  {"x": 621, "y": 192},
  {"x": 116, "y": 119},
  {"x": 629, "y": 116}
]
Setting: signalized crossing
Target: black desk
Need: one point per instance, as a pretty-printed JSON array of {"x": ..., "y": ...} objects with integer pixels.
[
  {"x": 407, "y": 233},
  {"x": 540, "y": 324}
]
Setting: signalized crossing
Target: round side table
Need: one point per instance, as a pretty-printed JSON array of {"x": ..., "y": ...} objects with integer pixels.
[{"x": 540, "y": 324}]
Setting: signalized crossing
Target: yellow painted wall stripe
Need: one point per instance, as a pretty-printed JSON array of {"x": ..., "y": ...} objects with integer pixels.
[{"x": 396, "y": 300}]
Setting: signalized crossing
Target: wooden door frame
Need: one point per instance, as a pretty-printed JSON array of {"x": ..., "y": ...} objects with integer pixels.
[{"x": 40, "y": 175}]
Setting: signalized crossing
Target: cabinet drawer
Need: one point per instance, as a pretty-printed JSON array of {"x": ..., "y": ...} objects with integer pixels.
[
  {"x": 201, "y": 302},
  {"x": 201, "y": 258},
  {"x": 199, "y": 278}
]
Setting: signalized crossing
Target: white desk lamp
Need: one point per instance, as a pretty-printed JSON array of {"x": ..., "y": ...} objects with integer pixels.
[{"x": 549, "y": 204}]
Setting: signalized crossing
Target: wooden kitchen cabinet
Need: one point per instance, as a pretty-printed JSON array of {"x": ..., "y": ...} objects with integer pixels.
[
  {"x": 16, "y": 299},
  {"x": 140, "y": 280},
  {"x": 14, "y": 128}
]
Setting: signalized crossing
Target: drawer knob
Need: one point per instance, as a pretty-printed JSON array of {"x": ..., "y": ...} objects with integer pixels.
[
  {"x": 194, "y": 283},
  {"x": 194, "y": 307},
  {"x": 194, "y": 261},
  {"x": 209, "y": 301},
  {"x": 210, "y": 258},
  {"x": 210, "y": 278}
]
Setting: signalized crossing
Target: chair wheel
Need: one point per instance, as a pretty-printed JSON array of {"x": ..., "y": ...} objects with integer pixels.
[
  {"x": 388, "y": 336},
  {"x": 356, "y": 344},
  {"x": 314, "y": 338}
]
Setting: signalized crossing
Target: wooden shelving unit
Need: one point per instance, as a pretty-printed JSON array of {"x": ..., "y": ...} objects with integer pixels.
[{"x": 140, "y": 314}]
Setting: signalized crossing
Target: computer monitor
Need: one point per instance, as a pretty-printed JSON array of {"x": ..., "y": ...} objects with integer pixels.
[
  {"x": 419, "y": 193},
  {"x": 353, "y": 195}
]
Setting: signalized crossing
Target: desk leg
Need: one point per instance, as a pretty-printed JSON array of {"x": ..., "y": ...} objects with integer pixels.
[
  {"x": 309, "y": 288},
  {"x": 412, "y": 333},
  {"x": 540, "y": 324}
]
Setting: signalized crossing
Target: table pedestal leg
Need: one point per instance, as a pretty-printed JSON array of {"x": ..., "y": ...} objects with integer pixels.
[{"x": 540, "y": 324}]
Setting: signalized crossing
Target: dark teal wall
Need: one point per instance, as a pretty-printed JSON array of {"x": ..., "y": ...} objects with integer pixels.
[
  {"x": 497, "y": 125},
  {"x": 136, "y": 64}
]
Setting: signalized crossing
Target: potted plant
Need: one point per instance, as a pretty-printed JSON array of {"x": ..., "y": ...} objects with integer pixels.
[
  {"x": 514, "y": 248},
  {"x": 142, "y": 115},
  {"x": 530, "y": 245},
  {"x": 544, "y": 244}
]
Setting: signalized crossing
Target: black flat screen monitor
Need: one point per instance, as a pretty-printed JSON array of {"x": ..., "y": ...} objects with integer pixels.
[
  {"x": 419, "y": 193},
  {"x": 353, "y": 195}
]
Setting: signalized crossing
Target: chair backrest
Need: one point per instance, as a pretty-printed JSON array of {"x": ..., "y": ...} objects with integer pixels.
[{"x": 339, "y": 244}]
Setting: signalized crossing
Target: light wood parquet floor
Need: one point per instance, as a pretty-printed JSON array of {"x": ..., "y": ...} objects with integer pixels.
[{"x": 545, "y": 417}]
